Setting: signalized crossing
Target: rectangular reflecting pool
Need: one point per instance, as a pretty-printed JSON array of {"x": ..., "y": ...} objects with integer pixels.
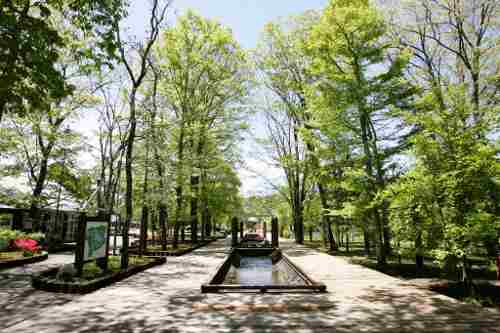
[{"x": 264, "y": 269}]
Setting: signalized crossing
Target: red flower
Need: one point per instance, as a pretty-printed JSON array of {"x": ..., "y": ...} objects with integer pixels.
[{"x": 30, "y": 245}]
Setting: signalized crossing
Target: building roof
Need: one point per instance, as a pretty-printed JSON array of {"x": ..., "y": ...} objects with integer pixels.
[{"x": 6, "y": 207}]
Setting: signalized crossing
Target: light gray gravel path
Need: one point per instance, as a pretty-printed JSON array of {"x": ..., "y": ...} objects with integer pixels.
[{"x": 167, "y": 298}]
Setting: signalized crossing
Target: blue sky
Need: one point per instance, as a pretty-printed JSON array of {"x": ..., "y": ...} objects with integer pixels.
[{"x": 245, "y": 17}]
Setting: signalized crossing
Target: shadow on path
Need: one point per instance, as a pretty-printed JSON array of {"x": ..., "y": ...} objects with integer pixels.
[{"x": 167, "y": 298}]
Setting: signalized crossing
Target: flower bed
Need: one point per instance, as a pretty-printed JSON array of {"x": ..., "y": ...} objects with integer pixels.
[
  {"x": 16, "y": 258},
  {"x": 18, "y": 248},
  {"x": 93, "y": 277}
]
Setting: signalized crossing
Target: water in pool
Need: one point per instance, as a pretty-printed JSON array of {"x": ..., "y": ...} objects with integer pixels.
[{"x": 261, "y": 271}]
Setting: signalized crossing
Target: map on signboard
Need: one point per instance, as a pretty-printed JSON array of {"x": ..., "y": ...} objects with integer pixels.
[{"x": 96, "y": 236}]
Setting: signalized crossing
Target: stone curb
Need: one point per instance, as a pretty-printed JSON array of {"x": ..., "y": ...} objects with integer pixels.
[
  {"x": 26, "y": 260},
  {"x": 40, "y": 281}
]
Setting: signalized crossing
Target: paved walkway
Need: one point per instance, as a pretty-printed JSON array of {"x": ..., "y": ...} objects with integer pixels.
[
  {"x": 167, "y": 298},
  {"x": 18, "y": 300}
]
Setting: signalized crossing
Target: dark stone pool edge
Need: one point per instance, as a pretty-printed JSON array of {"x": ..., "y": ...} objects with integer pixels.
[
  {"x": 40, "y": 281},
  {"x": 214, "y": 286}
]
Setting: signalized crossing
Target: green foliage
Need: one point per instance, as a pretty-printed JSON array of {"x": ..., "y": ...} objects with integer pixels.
[
  {"x": 413, "y": 210},
  {"x": 204, "y": 68},
  {"x": 453, "y": 188},
  {"x": 466, "y": 167},
  {"x": 7, "y": 235},
  {"x": 205, "y": 79},
  {"x": 77, "y": 183},
  {"x": 31, "y": 42},
  {"x": 91, "y": 271},
  {"x": 357, "y": 73},
  {"x": 37, "y": 143}
]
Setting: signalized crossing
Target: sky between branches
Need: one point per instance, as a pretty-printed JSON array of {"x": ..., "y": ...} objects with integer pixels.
[{"x": 246, "y": 18}]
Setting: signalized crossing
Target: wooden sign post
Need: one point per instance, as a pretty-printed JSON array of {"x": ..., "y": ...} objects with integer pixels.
[{"x": 92, "y": 241}]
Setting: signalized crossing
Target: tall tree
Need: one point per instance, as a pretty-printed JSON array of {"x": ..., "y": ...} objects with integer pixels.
[
  {"x": 40, "y": 131},
  {"x": 449, "y": 201},
  {"x": 204, "y": 79},
  {"x": 360, "y": 78},
  {"x": 157, "y": 125},
  {"x": 136, "y": 77},
  {"x": 30, "y": 44},
  {"x": 453, "y": 47},
  {"x": 453, "y": 42},
  {"x": 112, "y": 136},
  {"x": 290, "y": 154},
  {"x": 280, "y": 56}
]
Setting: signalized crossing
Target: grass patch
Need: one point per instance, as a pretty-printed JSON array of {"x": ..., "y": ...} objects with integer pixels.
[
  {"x": 91, "y": 271},
  {"x": 405, "y": 267},
  {"x": 17, "y": 255},
  {"x": 486, "y": 294},
  {"x": 11, "y": 255},
  {"x": 355, "y": 250},
  {"x": 181, "y": 247}
]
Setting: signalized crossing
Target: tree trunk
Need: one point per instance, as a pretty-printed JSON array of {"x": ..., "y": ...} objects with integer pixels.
[
  {"x": 299, "y": 226},
  {"x": 183, "y": 232},
  {"x": 466, "y": 278},
  {"x": 129, "y": 179},
  {"x": 178, "y": 190},
  {"x": 194, "y": 209},
  {"x": 2, "y": 107},
  {"x": 162, "y": 206},
  {"x": 145, "y": 208},
  {"x": 347, "y": 241},
  {"x": 205, "y": 216},
  {"x": 339, "y": 235},
  {"x": 330, "y": 237},
  {"x": 387, "y": 236},
  {"x": 162, "y": 217},
  {"x": 324, "y": 234},
  {"x": 326, "y": 218},
  {"x": 386, "y": 228},
  {"x": 144, "y": 230},
  {"x": 195, "y": 180},
  {"x": 370, "y": 158},
  {"x": 208, "y": 224},
  {"x": 419, "y": 258},
  {"x": 366, "y": 238},
  {"x": 381, "y": 258},
  {"x": 37, "y": 191}
]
